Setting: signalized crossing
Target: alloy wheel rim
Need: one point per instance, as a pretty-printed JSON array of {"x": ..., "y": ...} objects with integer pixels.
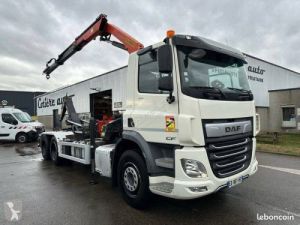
[
  {"x": 22, "y": 139},
  {"x": 131, "y": 178}
]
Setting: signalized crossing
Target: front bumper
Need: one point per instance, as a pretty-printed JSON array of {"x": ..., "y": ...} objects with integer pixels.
[
  {"x": 32, "y": 135},
  {"x": 184, "y": 187}
]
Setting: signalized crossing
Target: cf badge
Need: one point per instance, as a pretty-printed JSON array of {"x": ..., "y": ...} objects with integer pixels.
[{"x": 170, "y": 124}]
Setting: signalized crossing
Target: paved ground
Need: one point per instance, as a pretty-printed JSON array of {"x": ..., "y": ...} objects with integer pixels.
[{"x": 63, "y": 195}]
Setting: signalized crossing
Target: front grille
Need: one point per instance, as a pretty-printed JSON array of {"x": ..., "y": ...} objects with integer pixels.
[{"x": 230, "y": 155}]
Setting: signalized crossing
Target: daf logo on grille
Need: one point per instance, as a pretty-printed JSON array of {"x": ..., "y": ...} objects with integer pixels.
[
  {"x": 226, "y": 129},
  {"x": 232, "y": 129}
]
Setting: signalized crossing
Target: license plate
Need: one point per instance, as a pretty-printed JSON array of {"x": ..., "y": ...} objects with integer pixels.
[{"x": 234, "y": 182}]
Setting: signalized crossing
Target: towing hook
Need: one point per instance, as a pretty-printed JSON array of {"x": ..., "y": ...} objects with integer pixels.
[{"x": 52, "y": 59}]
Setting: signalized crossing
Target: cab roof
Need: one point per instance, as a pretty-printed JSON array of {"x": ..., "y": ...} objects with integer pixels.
[
  {"x": 9, "y": 110},
  {"x": 204, "y": 43}
]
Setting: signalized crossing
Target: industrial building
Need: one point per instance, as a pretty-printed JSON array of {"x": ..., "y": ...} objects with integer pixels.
[
  {"x": 23, "y": 100},
  {"x": 284, "y": 110},
  {"x": 274, "y": 87},
  {"x": 267, "y": 81},
  {"x": 89, "y": 96}
]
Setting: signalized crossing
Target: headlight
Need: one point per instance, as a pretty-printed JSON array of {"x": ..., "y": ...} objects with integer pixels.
[
  {"x": 257, "y": 124},
  {"x": 193, "y": 168}
]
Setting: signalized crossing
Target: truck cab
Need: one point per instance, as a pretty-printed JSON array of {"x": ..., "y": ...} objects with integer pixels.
[
  {"x": 16, "y": 125},
  {"x": 191, "y": 112}
]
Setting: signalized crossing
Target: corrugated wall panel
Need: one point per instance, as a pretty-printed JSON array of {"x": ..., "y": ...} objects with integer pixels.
[
  {"x": 114, "y": 80},
  {"x": 22, "y": 100}
]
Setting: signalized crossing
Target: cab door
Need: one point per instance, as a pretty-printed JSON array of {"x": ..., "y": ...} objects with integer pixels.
[
  {"x": 153, "y": 117},
  {"x": 8, "y": 127}
]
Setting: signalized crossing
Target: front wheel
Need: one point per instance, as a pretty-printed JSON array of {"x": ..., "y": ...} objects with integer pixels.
[
  {"x": 22, "y": 138},
  {"x": 45, "y": 148},
  {"x": 133, "y": 179},
  {"x": 54, "y": 152}
]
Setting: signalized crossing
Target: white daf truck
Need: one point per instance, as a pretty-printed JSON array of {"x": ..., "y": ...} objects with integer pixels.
[{"x": 189, "y": 124}]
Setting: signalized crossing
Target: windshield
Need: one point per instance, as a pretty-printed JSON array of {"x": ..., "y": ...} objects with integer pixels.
[
  {"x": 28, "y": 116},
  {"x": 22, "y": 117},
  {"x": 203, "y": 71}
]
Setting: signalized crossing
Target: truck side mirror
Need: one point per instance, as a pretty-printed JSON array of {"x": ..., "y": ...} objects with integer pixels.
[
  {"x": 165, "y": 83},
  {"x": 164, "y": 55},
  {"x": 165, "y": 67}
]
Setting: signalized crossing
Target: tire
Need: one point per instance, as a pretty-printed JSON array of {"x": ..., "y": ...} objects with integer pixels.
[
  {"x": 45, "y": 147},
  {"x": 54, "y": 152},
  {"x": 133, "y": 179},
  {"x": 22, "y": 138}
]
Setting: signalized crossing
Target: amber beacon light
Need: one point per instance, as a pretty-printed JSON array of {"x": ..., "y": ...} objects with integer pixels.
[{"x": 170, "y": 33}]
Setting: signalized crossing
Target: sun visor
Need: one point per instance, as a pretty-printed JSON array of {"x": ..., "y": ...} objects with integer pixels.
[{"x": 203, "y": 43}]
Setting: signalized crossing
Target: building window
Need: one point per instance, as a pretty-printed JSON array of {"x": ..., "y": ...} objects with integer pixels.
[
  {"x": 148, "y": 73},
  {"x": 288, "y": 114},
  {"x": 288, "y": 117}
]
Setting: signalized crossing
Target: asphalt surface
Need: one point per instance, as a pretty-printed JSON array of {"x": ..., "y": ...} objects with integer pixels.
[{"x": 46, "y": 194}]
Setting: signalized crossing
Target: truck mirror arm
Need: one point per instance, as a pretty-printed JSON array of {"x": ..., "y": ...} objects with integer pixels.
[{"x": 171, "y": 98}]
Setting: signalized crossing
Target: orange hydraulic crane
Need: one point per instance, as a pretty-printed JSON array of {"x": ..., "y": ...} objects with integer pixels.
[{"x": 100, "y": 27}]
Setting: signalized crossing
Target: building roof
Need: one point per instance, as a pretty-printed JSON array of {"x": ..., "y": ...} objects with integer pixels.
[
  {"x": 286, "y": 89},
  {"x": 34, "y": 92},
  {"x": 273, "y": 64},
  {"x": 63, "y": 87}
]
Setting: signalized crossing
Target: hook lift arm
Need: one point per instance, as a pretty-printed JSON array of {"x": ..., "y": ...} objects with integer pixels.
[{"x": 100, "y": 27}]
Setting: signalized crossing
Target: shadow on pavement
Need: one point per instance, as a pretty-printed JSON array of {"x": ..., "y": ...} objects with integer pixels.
[{"x": 22, "y": 149}]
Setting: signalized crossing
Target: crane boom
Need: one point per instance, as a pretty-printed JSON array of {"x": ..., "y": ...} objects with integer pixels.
[{"x": 100, "y": 27}]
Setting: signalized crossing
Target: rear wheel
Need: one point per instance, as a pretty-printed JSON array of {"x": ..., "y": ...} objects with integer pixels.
[
  {"x": 22, "y": 138},
  {"x": 54, "y": 152},
  {"x": 45, "y": 148},
  {"x": 133, "y": 179}
]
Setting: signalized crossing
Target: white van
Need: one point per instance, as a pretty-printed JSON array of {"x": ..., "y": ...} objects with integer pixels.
[{"x": 16, "y": 125}]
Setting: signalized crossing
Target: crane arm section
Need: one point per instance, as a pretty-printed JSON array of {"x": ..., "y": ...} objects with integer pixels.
[{"x": 100, "y": 27}]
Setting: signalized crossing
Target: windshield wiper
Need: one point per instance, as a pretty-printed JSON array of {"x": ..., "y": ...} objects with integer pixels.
[
  {"x": 239, "y": 89},
  {"x": 206, "y": 87},
  {"x": 210, "y": 88},
  {"x": 243, "y": 92}
]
